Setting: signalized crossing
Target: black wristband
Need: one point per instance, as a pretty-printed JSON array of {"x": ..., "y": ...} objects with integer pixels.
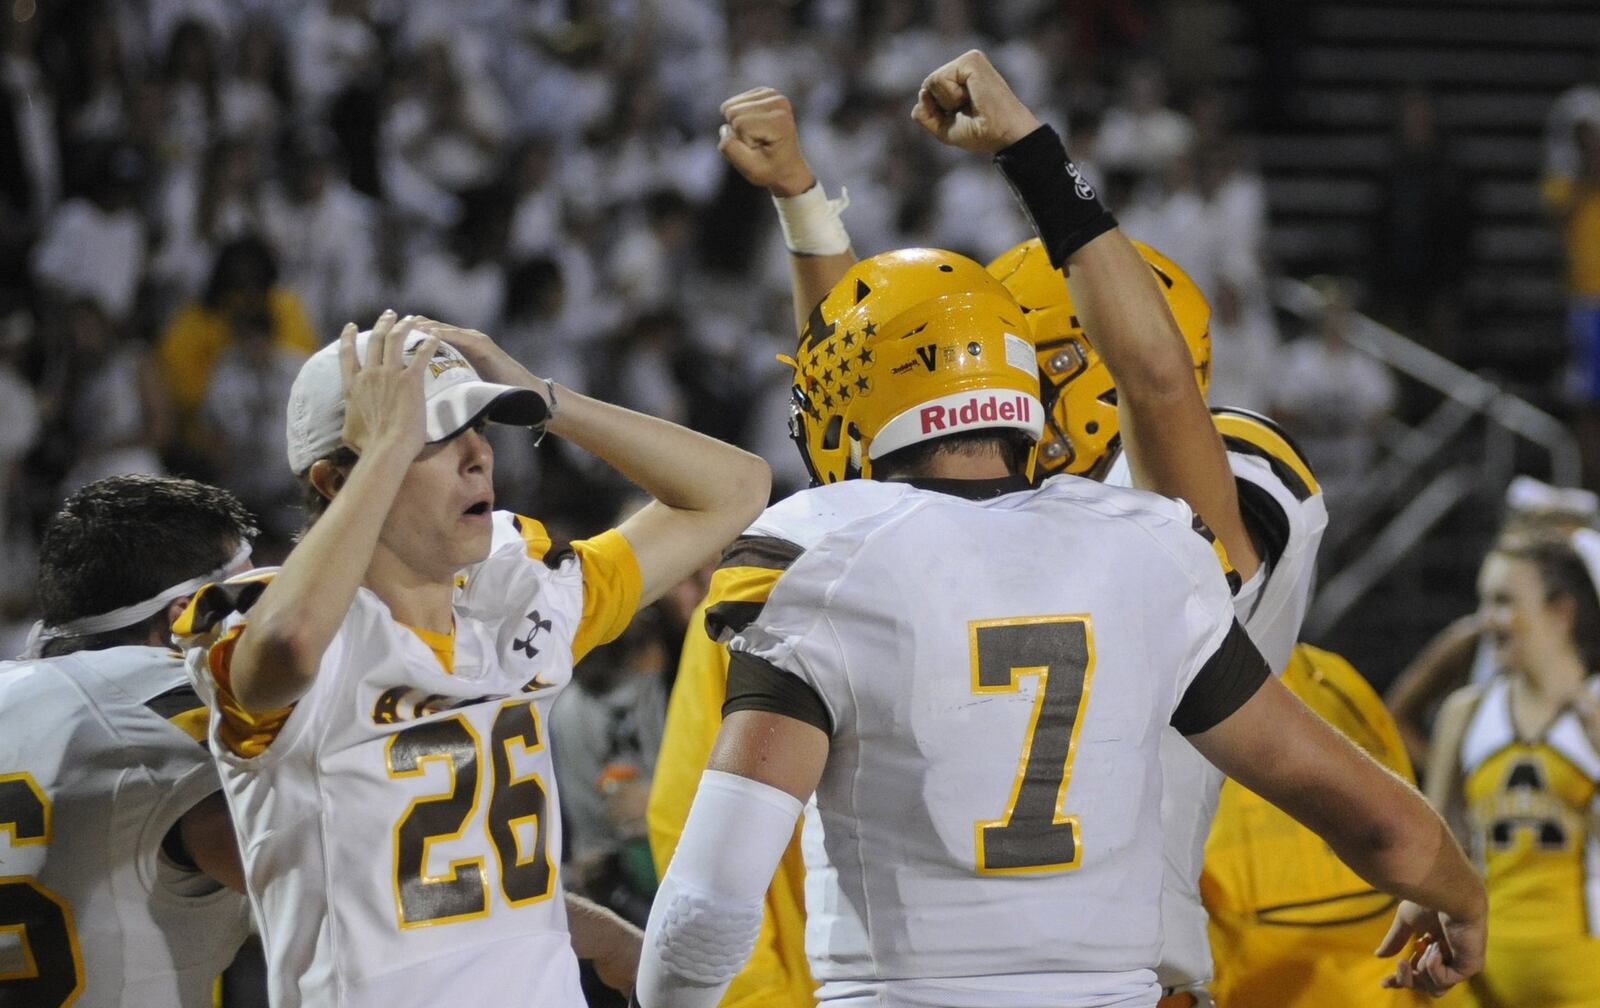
[{"x": 1062, "y": 205}]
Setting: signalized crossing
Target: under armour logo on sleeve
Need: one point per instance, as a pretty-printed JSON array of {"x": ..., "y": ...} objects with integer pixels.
[{"x": 525, "y": 644}]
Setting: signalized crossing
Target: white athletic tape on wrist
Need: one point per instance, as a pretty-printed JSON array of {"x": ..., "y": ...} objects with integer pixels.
[
  {"x": 707, "y": 912},
  {"x": 811, "y": 224}
]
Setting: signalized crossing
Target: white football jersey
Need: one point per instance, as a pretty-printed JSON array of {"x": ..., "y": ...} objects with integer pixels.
[
  {"x": 96, "y": 767},
  {"x": 1284, "y": 510},
  {"x": 998, "y": 675},
  {"x": 400, "y": 831}
]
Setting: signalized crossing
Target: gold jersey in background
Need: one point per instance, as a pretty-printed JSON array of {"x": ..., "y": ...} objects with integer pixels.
[{"x": 1290, "y": 924}]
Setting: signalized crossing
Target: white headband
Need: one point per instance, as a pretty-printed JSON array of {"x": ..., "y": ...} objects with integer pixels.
[
  {"x": 1528, "y": 494},
  {"x": 128, "y": 615}
]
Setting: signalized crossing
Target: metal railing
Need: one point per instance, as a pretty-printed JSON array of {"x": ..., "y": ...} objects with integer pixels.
[{"x": 1416, "y": 480}]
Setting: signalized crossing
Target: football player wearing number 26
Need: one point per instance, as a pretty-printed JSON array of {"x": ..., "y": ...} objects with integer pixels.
[
  {"x": 379, "y": 701},
  {"x": 972, "y": 678}
]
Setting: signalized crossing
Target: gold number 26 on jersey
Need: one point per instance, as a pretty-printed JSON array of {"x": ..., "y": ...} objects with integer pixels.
[
  {"x": 1035, "y": 834},
  {"x": 517, "y": 805}
]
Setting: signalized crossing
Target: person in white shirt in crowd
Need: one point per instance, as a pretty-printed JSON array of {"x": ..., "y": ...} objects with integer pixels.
[
  {"x": 333, "y": 47},
  {"x": 30, "y": 184},
  {"x": 192, "y": 78},
  {"x": 647, "y": 262},
  {"x": 441, "y": 135},
  {"x": 93, "y": 84},
  {"x": 256, "y": 95},
  {"x": 241, "y": 422},
  {"x": 1139, "y": 132},
  {"x": 1244, "y": 331},
  {"x": 1334, "y": 398},
  {"x": 19, "y": 429},
  {"x": 205, "y": 208},
  {"x": 132, "y": 415},
  {"x": 464, "y": 278},
  {"x": 1579, "y": 103},
  {"x": 93, "y": 246},
  {"x": 325, "y": 232}
]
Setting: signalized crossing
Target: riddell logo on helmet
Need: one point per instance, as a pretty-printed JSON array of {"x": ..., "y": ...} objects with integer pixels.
[{"x": 1018, "y": 408}]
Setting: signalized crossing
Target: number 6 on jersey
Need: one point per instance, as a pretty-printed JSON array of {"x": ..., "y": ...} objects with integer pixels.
[{"x": 1035, "y": 835}]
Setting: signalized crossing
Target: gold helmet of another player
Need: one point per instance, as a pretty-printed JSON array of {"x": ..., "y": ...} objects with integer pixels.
[
  {"x": 1081, "y": 428},
  {"x": 909, "y": 346}
]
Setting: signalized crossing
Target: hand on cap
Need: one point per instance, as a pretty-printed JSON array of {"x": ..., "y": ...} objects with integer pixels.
[
  {"x": 760, "y": 139},
  {"x": 383, "y": 394},
  {"x": 485, "y": 355},
  {"x": 967, "y": 104}
]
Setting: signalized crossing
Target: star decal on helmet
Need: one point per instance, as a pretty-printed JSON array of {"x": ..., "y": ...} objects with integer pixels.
[
  {"x": 849, "y": 339},
  {"x": 870, "y": 330},
  {"x": 863, "y": 385},
  {"x": 866, "y": 357}
]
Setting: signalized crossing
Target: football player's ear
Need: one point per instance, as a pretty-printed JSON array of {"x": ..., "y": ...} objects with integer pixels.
[{"x": 327, "y": 478}]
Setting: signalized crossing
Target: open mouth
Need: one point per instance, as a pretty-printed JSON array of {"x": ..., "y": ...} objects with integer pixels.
[{"x": 478, "y": 509}]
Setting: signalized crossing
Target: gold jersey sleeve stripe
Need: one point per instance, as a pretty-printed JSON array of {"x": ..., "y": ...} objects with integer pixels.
[
  {"x": 1253, "y": 434},
  {"x": 738, "y": 593},
  {"x": 534, "y": 534},
  {"x": 246, "y": 734},
  {"x": 1234, "y": 581}
]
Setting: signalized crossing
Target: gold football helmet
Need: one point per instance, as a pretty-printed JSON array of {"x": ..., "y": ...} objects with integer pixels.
[
  {"x": 909, "y": 346},
  {"x": 1081, "y": 428}
]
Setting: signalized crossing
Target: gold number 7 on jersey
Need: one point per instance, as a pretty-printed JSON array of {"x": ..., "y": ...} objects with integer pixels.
[{"x": 1035, "y": 834}]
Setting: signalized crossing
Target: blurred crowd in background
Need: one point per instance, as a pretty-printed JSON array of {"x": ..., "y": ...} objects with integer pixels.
[{"x": 195, "y": 194}]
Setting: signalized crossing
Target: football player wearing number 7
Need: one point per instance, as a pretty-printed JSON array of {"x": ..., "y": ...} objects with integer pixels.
[
  {"x": 379, "y": 701},
  {"x": 972, "y": 677}
]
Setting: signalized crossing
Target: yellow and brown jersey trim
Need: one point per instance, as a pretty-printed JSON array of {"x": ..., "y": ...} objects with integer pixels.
[
  {"x": 213, "y": 602},
  {"x": 182, "y": 708},
  {"x": 534, "y": 535},
  {"x": 443, "y": 645},
  {"x": 1234, "y": 581},
  {"x": 744, "y": 579},
  {"x": 244, "y": 733},
  {"x": 1253, "y": 434}
]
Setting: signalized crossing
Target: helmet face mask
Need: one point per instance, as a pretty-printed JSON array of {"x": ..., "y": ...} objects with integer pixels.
[
  {"x": 1082, "y": 433},
  {"x": 909, "y": 346}
]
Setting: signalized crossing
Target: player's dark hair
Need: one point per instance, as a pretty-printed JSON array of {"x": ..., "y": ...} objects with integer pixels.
[
  {"x": 1564, "y": 575},
  {"x": 915, "y": 460},
  {"x": 342, "y": 457},
  {"x": 123, "y": 539}
]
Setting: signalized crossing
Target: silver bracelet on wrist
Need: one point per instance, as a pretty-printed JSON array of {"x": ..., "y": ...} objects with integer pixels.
[{"x": 550, "y": 403}]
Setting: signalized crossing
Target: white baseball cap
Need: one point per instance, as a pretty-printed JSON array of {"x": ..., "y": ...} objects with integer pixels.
[{"x": 453, "y": 395}]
